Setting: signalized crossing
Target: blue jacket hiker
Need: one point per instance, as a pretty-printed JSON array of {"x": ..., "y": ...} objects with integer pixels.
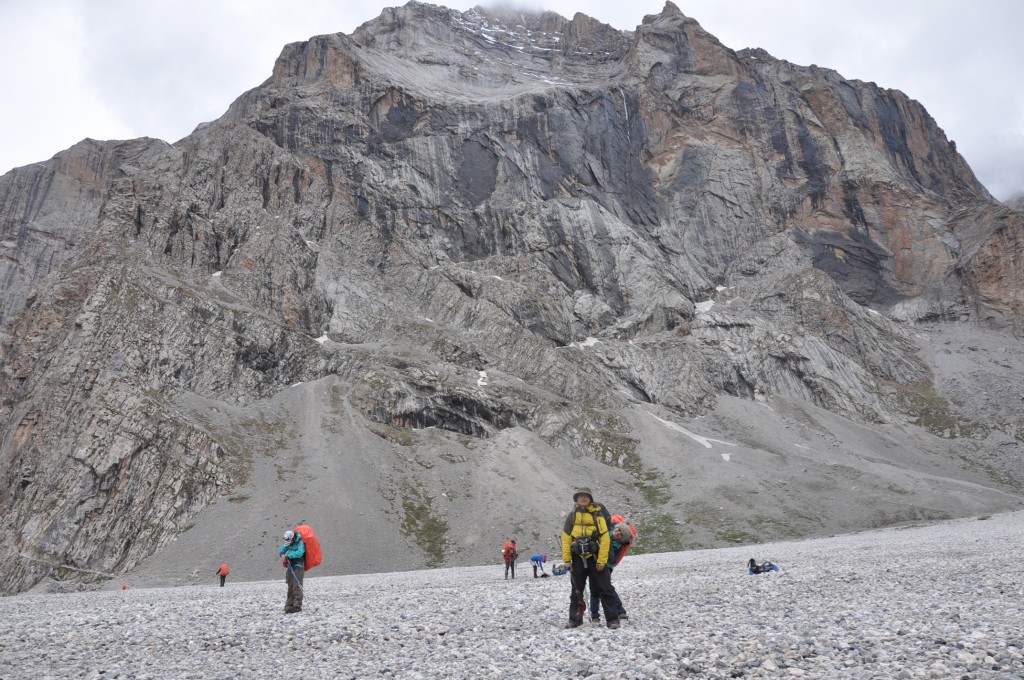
[
  {"x": 293, "y": 558},
  {"x": 538, "y": 563}
]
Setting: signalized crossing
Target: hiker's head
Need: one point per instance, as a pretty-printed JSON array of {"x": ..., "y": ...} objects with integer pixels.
[
  {"x": 543, "y": 558},
  {"x": 289, "y": 536},
  {"x": 622, "y": 533},
  {"x": 513, "y": 541},
  {"x": 583, "y": 496}
]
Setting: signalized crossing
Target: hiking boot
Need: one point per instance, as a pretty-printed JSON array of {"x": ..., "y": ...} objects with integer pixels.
[
  {"x": 614, "y": 623},
  {"x": 595, "y": 620},
  {"x": 573, "y": 624},
  {"x": 624, "y": 615}
]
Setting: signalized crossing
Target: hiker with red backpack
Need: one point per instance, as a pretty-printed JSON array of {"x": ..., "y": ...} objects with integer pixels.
[
  {"x": 586, "y": 542},
  {"x": 223, "y": 573},
  {"x": 293, "y": 557},
  {"x": 623, "y": 534},
  {"x": 300, "y": 553},
  {"x": 509, "y": 553}
]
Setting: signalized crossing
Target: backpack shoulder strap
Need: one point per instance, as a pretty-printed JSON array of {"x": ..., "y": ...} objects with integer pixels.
[
  {"x": 570, "y": 521},
  {"x": 603, "y": 511}
]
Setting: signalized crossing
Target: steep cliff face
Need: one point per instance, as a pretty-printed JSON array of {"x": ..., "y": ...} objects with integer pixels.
[{"x": 534, "y": 234}]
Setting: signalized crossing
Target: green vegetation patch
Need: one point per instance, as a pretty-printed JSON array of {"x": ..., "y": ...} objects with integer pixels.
[
  {"x": 394, "y": 435},
  {"x": 421, "y": 523},
  {"x": 602, "y": 436},
  {"x": 653, "y": 487},
  {"x": 995, "y": 474},
  {"x": 658, "y": 532},
  {"x": 932, "y": 412},
  {"x": 907, "y": 514},
  {"x": 718, "y": 523},
  {"x": 772, "y": 528}
]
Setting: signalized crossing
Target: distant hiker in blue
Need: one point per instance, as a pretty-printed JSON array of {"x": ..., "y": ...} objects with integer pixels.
[
  {"x": 293, "y": 557},
  {"x": 538, "y": 563}
]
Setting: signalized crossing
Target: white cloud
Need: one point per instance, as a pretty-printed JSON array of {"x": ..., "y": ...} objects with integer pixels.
[{"x": 49, "y": 104}]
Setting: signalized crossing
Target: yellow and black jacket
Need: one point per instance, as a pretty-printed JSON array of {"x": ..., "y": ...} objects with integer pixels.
[{"x": 590, "y": 522}]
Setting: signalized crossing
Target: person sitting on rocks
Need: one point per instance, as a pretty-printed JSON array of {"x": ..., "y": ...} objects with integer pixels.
[{"x": 754, "y": 568}]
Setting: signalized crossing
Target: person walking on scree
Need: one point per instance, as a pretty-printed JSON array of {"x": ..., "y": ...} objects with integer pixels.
[{"x": 223, "y": 573}]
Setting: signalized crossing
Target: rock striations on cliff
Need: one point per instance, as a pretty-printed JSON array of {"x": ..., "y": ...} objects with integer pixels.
[{"x": 429, "y": 276}]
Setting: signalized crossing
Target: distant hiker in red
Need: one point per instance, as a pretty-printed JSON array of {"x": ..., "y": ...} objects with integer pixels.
[
  {"x": 223, "y": 573},
  {"x": 509, "y": 555},
  {"x": 293, "y": 554}
]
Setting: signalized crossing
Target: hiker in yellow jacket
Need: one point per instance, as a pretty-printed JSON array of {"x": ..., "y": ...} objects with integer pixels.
[{"x": 585, "y": 544}]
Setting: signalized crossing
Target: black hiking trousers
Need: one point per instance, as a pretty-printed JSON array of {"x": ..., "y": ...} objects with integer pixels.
[
  {"x": 510, "y": 566},
  {"x": 600, "y": 585}
]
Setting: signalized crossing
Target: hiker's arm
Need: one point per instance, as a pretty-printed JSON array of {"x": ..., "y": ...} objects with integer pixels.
[
  {"x": 604, "y": 541},
  {"x": 296, "y": 551},
  {"x": 567, "y": 538}
]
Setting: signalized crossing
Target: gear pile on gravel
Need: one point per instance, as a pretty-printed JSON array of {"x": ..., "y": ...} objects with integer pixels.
[{"x": 936, "y": 601}]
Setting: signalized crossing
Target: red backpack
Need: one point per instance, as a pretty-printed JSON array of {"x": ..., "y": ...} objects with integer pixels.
[
  {"x": 508, "y": 553},
  {"x": 314, "y": 555}
]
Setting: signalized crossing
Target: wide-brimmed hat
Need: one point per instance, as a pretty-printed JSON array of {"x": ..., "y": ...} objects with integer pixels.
[{"x": 582, "y": 490}]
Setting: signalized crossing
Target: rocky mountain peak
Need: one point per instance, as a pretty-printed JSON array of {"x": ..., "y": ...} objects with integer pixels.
[{"x": 418, "y": 31}]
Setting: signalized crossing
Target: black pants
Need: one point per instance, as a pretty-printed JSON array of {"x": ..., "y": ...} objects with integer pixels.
[
  {"x": 595, "y": 602},
  {"x": 584, "y": 569},
  {"x": 222, "y": 577},
  {"x": 510, "y": 565},
  {"x": 294, "y": 576}
]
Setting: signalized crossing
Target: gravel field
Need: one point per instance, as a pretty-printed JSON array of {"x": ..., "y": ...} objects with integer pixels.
[{"x": 936, "y": 601}]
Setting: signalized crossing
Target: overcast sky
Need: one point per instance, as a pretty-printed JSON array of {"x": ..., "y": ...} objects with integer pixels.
[{"x": 119, "y": 69}]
